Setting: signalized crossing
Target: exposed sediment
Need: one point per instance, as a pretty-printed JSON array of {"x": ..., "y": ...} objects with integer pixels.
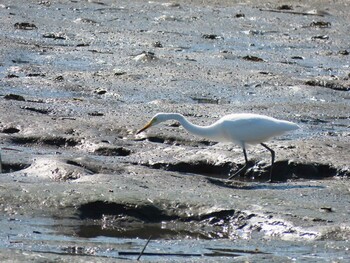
[{"x": 79, "y": 78}]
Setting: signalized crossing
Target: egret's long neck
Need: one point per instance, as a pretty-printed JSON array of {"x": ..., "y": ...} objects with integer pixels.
[{"x": 204, "y": 131}]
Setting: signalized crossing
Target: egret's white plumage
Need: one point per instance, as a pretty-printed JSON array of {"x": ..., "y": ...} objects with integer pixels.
[{"x": 241, "y": 128}]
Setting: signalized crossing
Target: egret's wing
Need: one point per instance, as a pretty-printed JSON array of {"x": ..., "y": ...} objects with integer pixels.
[{"x": 251, "y": 130}]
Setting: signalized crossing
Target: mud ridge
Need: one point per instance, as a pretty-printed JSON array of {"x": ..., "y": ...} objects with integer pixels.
[
  {"x": 142, "y": 221},
  {"x": 146, "y": 213},
  {"x": 198, "y": 167},
  {"x": 112, "y": 151},
  {"x": 94, "y": 166},
  {"x": 14, "y": 167},
  {"x": 282, "y": 171},
  {"x": 50, "y": 141}
]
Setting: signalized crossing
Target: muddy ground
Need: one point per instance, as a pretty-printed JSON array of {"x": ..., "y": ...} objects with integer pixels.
[{"x": 79, "y": 78}]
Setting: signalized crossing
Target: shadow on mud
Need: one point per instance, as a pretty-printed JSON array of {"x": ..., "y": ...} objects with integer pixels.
[
  {"x": 13, "y": 167},
  {"x": 175, "y": 141},
  {"x": 282, "y": 170},
  {"x": 56, "y": 141}
]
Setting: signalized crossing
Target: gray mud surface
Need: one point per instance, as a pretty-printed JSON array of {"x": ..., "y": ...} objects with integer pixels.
[{"x": 79, "y": 78}]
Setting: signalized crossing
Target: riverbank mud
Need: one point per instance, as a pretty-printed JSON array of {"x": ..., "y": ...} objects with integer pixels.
[{"x": 79, "y": 78}]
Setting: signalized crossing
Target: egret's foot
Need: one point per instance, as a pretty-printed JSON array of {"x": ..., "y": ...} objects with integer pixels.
[
  {"x": 241, "y": 171},
  {"x": 244, "y": 168},
  {"x": 271, "y": 180}
]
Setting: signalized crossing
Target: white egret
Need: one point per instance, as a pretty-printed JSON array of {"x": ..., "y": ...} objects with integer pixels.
[{"x": 241, "y": 128}]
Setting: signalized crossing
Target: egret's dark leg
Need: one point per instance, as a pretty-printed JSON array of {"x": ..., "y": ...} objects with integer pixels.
[
  {"x": 244, "y": 167},
  {"x": 272, "y": 159}
]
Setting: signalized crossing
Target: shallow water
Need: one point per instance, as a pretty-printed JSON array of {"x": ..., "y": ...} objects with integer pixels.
[
  {"x": 90, "y": 90},
  {"x": 51, "y": 236}
]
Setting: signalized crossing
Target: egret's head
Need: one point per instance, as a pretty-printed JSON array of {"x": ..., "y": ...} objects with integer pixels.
[{"x": 158, "y": 118}]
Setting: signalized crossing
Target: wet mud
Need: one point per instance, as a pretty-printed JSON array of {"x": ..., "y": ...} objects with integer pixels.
[{"x": 79, "y": 78}]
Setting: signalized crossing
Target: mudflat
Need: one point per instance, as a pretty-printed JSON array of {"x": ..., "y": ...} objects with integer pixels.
[{"x": 79, "y": 78}]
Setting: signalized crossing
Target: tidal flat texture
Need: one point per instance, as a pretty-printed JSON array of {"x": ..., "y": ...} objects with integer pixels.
[{"x": 78, "y": 79}]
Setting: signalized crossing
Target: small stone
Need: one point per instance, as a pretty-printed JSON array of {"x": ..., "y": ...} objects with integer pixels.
[
  {"x": 100, "y": 91},
  {"x": 14, "y": 97},
  {"x": 25, "y": 26},
  {"x": 327, "y": 209},
  {"x": 157, "y": 44},
  {"x": 239, "y": 15},
  {"x": 211, "y": 36},
  {"x": 145, "y": 57},
  {"x": 344, "y": 52}
]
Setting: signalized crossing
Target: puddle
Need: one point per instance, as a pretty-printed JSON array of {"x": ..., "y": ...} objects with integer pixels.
[
  {"x": 40, "y": 94},
  {"x": 69, "y": 236},
  {"x": 58, "y": 237}
]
